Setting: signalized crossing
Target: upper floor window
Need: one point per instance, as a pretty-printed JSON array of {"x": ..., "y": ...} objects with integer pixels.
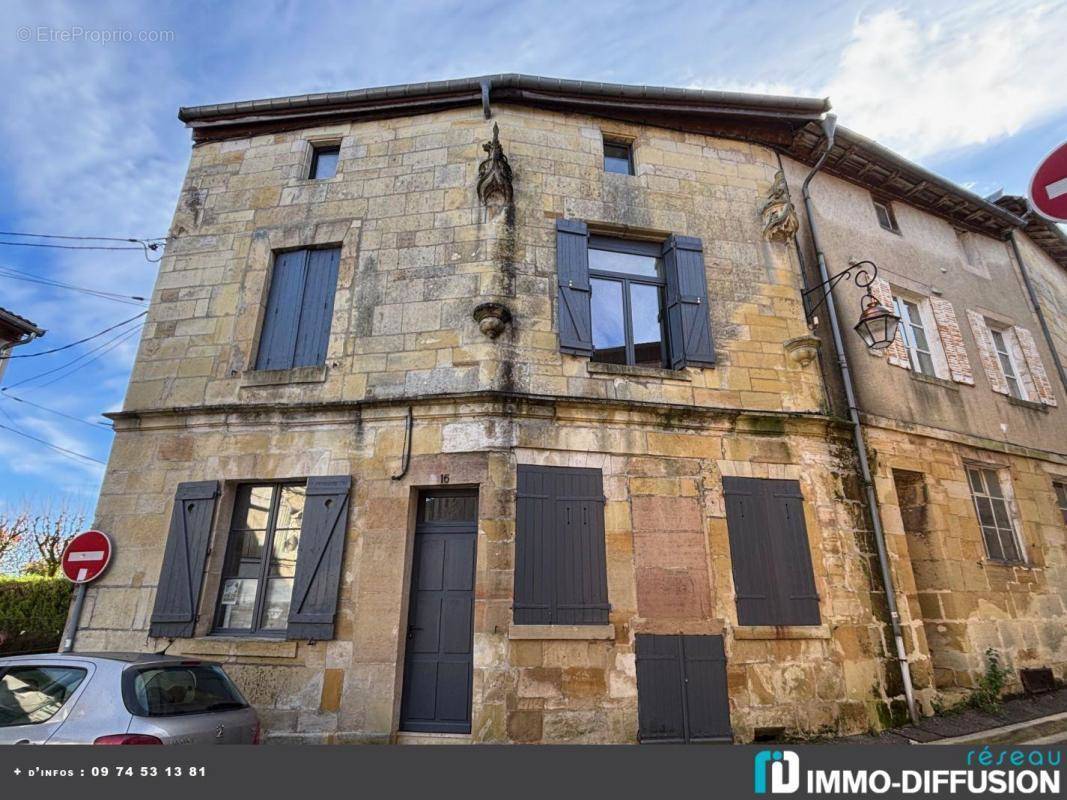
[
  {"x": 296, "y": 326},
  {"x": 627, "y": 284},
  {"x": 990, "y": 503},
  {"x": 914, "y": 334},
  {"x": 886, "y": 218},
  {"x": 324, "y": 161},
  {"x": 1006, "y": 358},
  {"x": 1061, "y": 497},
  {"x": 257, "y": 578},
  {"x": 618, "y": 157}
]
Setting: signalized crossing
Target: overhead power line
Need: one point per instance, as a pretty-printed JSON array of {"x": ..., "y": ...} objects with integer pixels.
[
  {"x": 91, "y": 424},
  {"x": 18, "y": 275},
  {"x": 55, "y": 447},
  {"x": 103, "y": 349},
  {"x": 85, "y": 238},
  {"x": 80, "y": 341}
]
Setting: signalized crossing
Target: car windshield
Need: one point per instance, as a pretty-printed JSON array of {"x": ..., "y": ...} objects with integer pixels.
[
  {"x": 33, "y": 694},
  {"x": 163, "y": 691}
]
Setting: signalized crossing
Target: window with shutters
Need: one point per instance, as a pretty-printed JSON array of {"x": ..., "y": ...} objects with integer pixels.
[
  {"x": 261, "y": 555},
  {"x": 886, "y": 218},
  {"x": 918, "y": 330},
  {"x": 560, "y": 563},
  {"x": 296, "y": 325},
  {"x": 632, "y": 303},
  {"x": 992, "y": 507},
  {"x": 1060, "y": 487},
  {"x": 774, "y": 582},
  {"x": 1005, "y": 346}
]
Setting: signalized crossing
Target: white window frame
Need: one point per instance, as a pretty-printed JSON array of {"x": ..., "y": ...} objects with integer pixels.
[
  {"x": 1007, "y": 497},
  {"x": 1016, "y": 376},
  {"x": 931, "y": 333}
]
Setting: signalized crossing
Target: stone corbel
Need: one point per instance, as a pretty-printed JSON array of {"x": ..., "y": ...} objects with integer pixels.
[
  {"x": 802, "y": 350},
  {"x": 779, "y": 216},
  {"x": 492, "y": 318}
]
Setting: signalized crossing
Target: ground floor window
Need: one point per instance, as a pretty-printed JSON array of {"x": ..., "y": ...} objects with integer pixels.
[
  {"x": 991, "y": 506},
  {"x": 1061, "y": 497}
]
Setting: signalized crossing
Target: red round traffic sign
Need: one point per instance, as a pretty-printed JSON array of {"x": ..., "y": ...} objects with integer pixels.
[
  {"x": 1048, "y": 187},
  {"x": 86, "y": 556}
]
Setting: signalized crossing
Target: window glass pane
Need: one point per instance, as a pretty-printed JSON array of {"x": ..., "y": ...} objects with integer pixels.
[
  {"x": 975, "y": 479},
  {"x": 241, "y": 580},
  {"x": 186, "y": 689},
  {"x": 449, "y": 508},
  {"x": 1000, "y": 513},
  {"x": 276, "y": 603},
  {"x": 324, "y": 164},
  {"x": 1009, "y": 546},
  {"x": 617, "y": 158},
  {"x": 992, "y": 543},
  {"x": 31, "y": 695},
  {"x": 290, "y": 507},
  {"x": 629, "y": 263},
  {"x": 992, "y": 483},
  {"x": 926, "y": 363},
  {"x": 648, "y": 332},
  {"x": 985, "y": 511},
  {"x": 609, "y": 333}
]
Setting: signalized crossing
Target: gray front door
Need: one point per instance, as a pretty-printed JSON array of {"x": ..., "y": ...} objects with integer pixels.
[{"x": 438, "y": 658}]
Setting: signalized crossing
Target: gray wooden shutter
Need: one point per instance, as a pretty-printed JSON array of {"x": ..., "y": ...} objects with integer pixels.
[
  {"x": 750, "y": 555},
  {"x": 707, "y": 703},
  {"x": 318, "y": 561},
  {"x": 560, "y": 562},
  {"x": 277, "y": 340},
  {"x": 316, "y": 310},
  {"x": 180, "y": 577},
  {"x": 572, "y": 269},
  {"x": 681, "y": 689},
  {"x": 770, "y": 556},
  {"x": 688, "y": 318}
]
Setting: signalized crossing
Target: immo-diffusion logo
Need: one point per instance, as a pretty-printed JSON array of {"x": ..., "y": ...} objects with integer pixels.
[{"x": 783, "y": 767}]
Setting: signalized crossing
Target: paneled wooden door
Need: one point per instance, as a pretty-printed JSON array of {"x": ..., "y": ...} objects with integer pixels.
[{"x": 438, "y": 663}]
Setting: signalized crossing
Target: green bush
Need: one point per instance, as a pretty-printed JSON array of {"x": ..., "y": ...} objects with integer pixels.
[{"x": 33, "y": 611}]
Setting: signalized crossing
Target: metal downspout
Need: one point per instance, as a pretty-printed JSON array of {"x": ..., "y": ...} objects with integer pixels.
[
  {"x": 829, "y": 124},
  {"x": 1037, "y": 306}
]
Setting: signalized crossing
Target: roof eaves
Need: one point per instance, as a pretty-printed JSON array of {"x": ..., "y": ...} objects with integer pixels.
[{"x": 13, "y": 320}]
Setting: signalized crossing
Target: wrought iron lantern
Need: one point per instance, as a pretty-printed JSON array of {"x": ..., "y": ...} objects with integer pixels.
[{"x": 877, "y": 325}]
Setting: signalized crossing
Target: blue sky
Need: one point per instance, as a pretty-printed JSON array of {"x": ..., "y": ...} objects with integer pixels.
[{"x": 975, "y": 91}]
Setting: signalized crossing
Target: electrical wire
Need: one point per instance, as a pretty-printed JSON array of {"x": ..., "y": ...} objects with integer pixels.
[
  {"x": 145, "y": 245},
  {"x": 104, "y": 348},
  {"x": 18, "y": 275},
  {"x": 91, "y": 424},
  {"x": 80, "y": 341},
  {"x": 84, "y": 238},
  {"x": 55, "y": 447}
]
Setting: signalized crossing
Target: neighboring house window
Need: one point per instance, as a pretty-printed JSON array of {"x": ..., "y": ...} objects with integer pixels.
[
  {"x": 257, "y": 577},
  {"x": 993, "y": 516},
  {"x": 324, "y": 161},
  {"x": 886, "y": 218},
  {"x": 628, "y": 302},
  {"x": 914, "y": 334},
  {"x": 618, "y": 157},
  {"x": 560, "y": 561},
  {"x": 1061, "y": 497},
  {"x": 627, "y": 283},
  {"x": 1007, "y": 363},
  {"x": 296, "y": 326},
  {"x": 774, "y": 583}
]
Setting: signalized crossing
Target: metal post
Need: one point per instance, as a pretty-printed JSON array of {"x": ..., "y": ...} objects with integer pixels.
[{"x": 71, "y": 629}]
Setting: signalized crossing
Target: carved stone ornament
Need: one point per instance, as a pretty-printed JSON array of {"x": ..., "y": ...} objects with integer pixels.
[
  {"x": 494, "y": 173},
  {"x": 802, "y": 350},
  {"x": 492, "y": 318},
  {"x": 779, "y": 215}
]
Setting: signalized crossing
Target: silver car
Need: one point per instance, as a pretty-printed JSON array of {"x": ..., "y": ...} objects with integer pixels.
[{"x": 120, "y": 698}]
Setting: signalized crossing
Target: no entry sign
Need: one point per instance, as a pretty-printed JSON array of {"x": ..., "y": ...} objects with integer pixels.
[
  {"x": 87, "y": 556},
  {"x": 1048, "y": 187}
]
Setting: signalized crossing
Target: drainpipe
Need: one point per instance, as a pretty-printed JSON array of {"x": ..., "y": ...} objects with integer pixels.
[
  {"x": 1037, "y": 306},
  {"x": 829, "y": 126}
]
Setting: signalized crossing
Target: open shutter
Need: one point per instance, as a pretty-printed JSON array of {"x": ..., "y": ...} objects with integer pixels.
[
  {"x": 318, "y": 562},
  {"x": 948, "y": 329},
  {"x": 1035, "y": 365},
  {"x": 277, "y": 339},
  {"x": 798, "y": 602},
  {"x": 751, "y": 558},
  {"x": 182, "y": 573},
  {"x": 987, "y": 352},
  {"x": 688, "y": 317},
  {"x": 897, "y": 352},
  {"x": 572, "y": 269},
  {"x": 581, "y": 567},
  {"x": 316, "y": 310}
]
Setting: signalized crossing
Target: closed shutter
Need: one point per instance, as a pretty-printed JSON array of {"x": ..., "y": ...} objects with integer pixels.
[
  {"x": 987, "y": 352},
  {"x": 318, "y": 563},
  {"x": 948, "y": 329},
  {"x": 277, "y": 340},
  {"x": 688, "y": 317},
  {"x": 316, "y": 311},
  {"x": 572, "y": 269},
  {"x": 769, "y": 552},
  {"x": 682, "y": 693},
  {"x": 560, "y": 562},
  {"x": 897, "y": 352},
  {"x": 180, "y": 577},
  {"x": 1037, "y": 368}
]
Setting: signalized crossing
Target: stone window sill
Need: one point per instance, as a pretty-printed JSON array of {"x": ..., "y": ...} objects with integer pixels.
[
  {"x": 278, "y": 377},
  {"x": 944, "y": 383},
  {"x": 1015, "y": 401},
  {"x": 782, "y": 632},
  {"x": 600, "y": 368},
  {"x": 234, "y": 646},
  {"x": 548, "y": 632}
]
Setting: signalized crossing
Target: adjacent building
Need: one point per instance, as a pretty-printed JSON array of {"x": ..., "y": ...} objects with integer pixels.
[
  {"x": 14, "y": 330},
  {"x": 489, "y": 410}
]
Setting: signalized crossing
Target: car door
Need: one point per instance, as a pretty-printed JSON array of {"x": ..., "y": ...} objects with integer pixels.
[{"x": 36, "y": 697}]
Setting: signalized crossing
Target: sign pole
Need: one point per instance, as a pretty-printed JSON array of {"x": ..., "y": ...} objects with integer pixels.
[{"x": 71, "y": 628}]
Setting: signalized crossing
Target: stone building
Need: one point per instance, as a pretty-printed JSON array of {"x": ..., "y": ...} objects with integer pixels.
[{"x": 488, "y": 410}]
